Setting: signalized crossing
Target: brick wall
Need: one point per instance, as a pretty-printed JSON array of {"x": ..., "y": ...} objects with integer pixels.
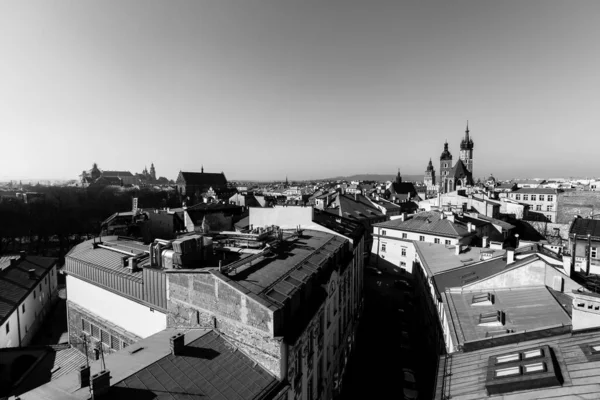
[{"x": 76, "y": 314}]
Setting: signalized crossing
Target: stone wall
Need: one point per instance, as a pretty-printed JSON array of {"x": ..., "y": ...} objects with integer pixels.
[
  {"x": 573, "y": 203},
  {"x": 202, "y": 300},
  {"x": 76, "y": 314}
]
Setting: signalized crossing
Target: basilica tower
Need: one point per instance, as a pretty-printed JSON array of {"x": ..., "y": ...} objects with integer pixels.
[
  {"x": 466, "y": 150},
  {"x": 429, "y": 175}
]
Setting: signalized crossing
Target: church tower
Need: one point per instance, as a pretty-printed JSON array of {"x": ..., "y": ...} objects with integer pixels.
[
  {"x": 429, "y": 176},
  {"x": 466, "y": 150},
  {"x": 152, "y": 172},
  {"x": 446, "y": 182}
]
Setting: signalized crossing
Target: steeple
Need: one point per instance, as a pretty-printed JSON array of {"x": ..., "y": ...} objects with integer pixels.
[
  {"x": 430, "y": 165},
  {"x": 398, "y": 177},
  {"x": 446, "y": 155},
  {"x": 202, "y": 169}
]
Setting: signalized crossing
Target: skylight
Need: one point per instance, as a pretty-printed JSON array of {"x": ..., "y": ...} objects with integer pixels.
[{"x": 482, "y": 299}]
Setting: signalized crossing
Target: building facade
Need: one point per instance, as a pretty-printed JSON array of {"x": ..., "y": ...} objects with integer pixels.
[{"x": 543, "y": 203}]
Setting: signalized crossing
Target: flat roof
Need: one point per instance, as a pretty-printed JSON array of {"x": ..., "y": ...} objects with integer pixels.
[
  {"x": 275, "y": 278},
  {"x": 438, "y": 258},
  {"x": 463, "y": 377},
  {"x": 525, "y": 308}
]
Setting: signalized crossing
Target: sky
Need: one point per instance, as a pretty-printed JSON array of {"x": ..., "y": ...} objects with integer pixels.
[{"x": 305, "y": 89}]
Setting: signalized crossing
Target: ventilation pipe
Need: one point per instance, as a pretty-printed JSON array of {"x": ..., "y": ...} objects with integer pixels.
[{"x": 510, "y": 256}]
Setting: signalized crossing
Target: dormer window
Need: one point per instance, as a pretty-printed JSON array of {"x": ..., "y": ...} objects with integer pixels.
[
  {"x": 522, "y": 370},
  {"x": 483, "y": 299},
  {"x": 495, "y": 318}
]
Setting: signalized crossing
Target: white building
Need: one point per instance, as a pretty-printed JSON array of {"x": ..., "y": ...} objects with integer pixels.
[{"x": 28, "y": 289}]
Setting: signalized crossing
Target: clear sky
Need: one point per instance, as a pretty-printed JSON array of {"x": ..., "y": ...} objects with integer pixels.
[{"x": 307, "y": 89}]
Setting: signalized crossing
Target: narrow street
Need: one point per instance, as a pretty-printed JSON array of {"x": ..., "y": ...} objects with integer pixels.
[{"x": 375, "y": 371}]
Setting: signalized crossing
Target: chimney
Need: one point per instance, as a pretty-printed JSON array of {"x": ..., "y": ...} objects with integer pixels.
[
  {"x": 510, "y": 256},
  {"x": 32, "y": 275},
  {"x": 485, "y": 241},
  {"x": 457, "y": 249},
  {"x": 585, "y": 311},
  {"x": 14, "y": 261},
  {"x": 469, "y": 227},
  {"x": 516, "y": 241},
  {"x": 84, "y": 376},
  {"x": 442, "y": 215},
  {"x": 355, "y": 196},
  {"x": 403, "y": 217},
  {"x": 100, "y": 384},
  {"x": 177, "y": 344},
  {"x": 22, "y": 255}
]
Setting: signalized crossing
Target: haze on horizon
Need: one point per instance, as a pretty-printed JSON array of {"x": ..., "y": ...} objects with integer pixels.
[{"x": 305, "y": 89}]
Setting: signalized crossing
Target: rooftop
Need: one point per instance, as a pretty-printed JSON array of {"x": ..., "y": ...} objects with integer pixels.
[
  {"x": 15, "y": 282},
  {"x": 356, "y": 206},
  {"x": 584, "y": 227},
  {"x": 536, "y": 191},
  {"x": 208, "y": 368},
  {"x": 466, "y": 373},
  {"x": 429, "y": 222},
  {"x": 274, "y": 278},
  {"x": 438, "y": 258},
  {"x": 202, "y": 178},
  {"x": 344, "y": 226},
  {"x": 525, "y": 309}
]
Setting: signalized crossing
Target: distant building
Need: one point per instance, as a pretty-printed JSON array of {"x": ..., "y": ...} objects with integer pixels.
[
  {"x": 98, "y": 177},
  {"x": 190, "y": 183},
  {"x": 28, "y": 289},
  {"x": 543, "y": 203},
  {"x": 399, "y": 191},
  {"x": 461, "y": 174}
]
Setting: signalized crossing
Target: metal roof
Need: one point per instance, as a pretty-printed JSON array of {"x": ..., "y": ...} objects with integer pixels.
[
  {"x": 438, "y": 258},
  {"x": 429, "y": 222},
  {"x": 15, "y": 282}
]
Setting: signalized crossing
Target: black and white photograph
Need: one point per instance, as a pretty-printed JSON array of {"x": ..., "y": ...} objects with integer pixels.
[{"x": 299, "y": 199}]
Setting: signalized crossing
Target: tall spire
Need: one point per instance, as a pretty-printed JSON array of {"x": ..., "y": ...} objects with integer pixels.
[
  {"x": 467, "y": 132},
  {"x": 202, "y": 169}
]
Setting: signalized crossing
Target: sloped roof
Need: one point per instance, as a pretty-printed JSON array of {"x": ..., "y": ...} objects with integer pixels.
[
  {"x": 584, "y": 227},
  {"x": 460, "y": 170},
  {"x": 357, "y": 206},
  {"x": 116, "y": 173},
  {"x": 405, "y": 188},
  {"x": 429, "y": 222},
  {"x": 438, "y": 258},
  {"x": 343, "y": 226},
  {"x": 15, "y": 284},
  {"x": 203, "y": 178}
]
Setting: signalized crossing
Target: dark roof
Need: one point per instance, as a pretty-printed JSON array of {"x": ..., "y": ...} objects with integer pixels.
[
  {"x": 214, "y": 207},
  {"x": 116, "y": 173},
  {"x": 465, "y": 375},
  {"x": 405, "y": 188},
  {"x": 584, "y": 227},
  {"x": 357, "y": 206},
  {"x": 15, "y": 283},
  {"x": 203, "y": 178},
  {"x": 536, "y": 191},
  {"x": 343, "y": 226},
  {"x": 429, "y": 222},
  {"x": 275, "y": 279},
  {"x": 209, "y": 368}
]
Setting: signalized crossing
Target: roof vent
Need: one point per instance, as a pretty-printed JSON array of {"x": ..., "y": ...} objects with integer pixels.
[
  {"x": 495, "y": 318},
  {"x": 483, "y": 299},
  {"x": 177, "y": 344}
]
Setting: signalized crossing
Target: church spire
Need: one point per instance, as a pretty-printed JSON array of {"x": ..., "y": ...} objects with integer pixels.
[
  {"x": 467, "y": 132},
  {"x": 202, "y": 169}
]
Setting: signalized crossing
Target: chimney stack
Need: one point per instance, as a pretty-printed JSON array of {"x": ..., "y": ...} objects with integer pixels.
[
  {"x": 84, "y": 376},
  {"x": 516, "y": 240},
  {"x": 100, "y": 384},
  {"x": 469, "y": 227},
  {"x": 457, "y": 249},
  {"x": 177, "y": 344},
  {"x": 510, "y": 256},
  {"x": 484, "y": 241},
  {"x": 32, "y": 275}
]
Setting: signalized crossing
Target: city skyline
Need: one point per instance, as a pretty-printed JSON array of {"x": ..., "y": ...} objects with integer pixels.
[{"x": 310, "y": 90}]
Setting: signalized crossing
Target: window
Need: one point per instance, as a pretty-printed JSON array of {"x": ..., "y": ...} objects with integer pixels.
[
  {"x": 422, "y": 238},
  {"x": 538, "y": 207},
  {"x": 404, "y": 252},
  {"x": 525, "y": 197},
  {"x": 105, "y": 337},
  {"x": 550, "y": 198},
  {"x": 23, "y": 308},
  {"x": 95, "y": 331},
  {"x": 383, "y": 247},
  {"x": 298, "y": 362},
  {"x": 85, "y": 326},
  {"x": 541, "y": 197},
  {"x": 436, "y": 240},
  {"x": 594, "y": 252},
  {"x": 482, "y": 299},
  {"x": 404, "y": 236},
  {"x": 517, "y": 197},
  {"x": 402, "y": 264},
  {"x": 8, "y": 327},
  {"x": 115, "y": 343},
  {"x": 522, "y": 370},
  {"x": 533, "y": 197},
  {"x": 448, "y": 242},
  {"x": 383, "y": 232},
  {"x": 549, "y": 207},
  {"x": 34, "y": 294}
]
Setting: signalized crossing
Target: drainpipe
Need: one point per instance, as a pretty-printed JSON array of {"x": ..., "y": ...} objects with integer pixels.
[{"x": 588, "y": 259}]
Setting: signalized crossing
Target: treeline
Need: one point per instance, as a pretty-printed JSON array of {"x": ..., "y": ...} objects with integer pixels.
[{"x": 51, "y": 225}]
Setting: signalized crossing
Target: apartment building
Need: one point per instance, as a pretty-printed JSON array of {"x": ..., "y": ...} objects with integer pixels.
[
  {"x": 28, "y": 289},
  {"x": 543, "y": 203}
]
